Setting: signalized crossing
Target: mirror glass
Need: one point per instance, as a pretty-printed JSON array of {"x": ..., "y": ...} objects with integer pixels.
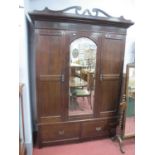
[
  {"x": 130, "y": 97},
  {"x": 82, "y": 76}
]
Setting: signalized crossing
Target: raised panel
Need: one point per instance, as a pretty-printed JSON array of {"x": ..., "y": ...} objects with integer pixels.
[
  {"x": 49, "y": 54},
  {"x": 112, "y": 54},
  {"x": 49, "y": 98},
  {"x": 109, "y": 95}
]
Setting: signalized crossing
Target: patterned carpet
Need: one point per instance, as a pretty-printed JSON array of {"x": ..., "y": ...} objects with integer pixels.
[{"x": 97, "y": 147}]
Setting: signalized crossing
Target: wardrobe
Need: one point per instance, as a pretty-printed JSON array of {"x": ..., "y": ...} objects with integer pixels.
[{"x": 76, "y": 63}]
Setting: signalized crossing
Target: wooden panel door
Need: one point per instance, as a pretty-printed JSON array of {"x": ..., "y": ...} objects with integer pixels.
[
  {"x": 112, "y": 56},
  {"x": 50, "y": 75}
]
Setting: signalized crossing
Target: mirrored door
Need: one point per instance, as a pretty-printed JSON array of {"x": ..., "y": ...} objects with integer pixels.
[{"x": 82, "y": 69}]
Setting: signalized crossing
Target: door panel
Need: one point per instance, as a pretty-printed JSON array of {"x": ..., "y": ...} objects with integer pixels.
[
  {"x": 50, "y": 98},
  {"x": 112, "y": 55},
  {"x": 50, "y": 72},
  {"x": 49, "y": 53},
  {"x": 109, "y": 95}
]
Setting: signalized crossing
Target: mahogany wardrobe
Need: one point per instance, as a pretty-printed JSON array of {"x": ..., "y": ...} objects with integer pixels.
[{"x": 76, "y": 68}]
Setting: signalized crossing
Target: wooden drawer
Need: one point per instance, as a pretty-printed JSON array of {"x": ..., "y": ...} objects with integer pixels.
[
  {"x": 93, "y": 128},
  {"x": 59, "y": 131}
]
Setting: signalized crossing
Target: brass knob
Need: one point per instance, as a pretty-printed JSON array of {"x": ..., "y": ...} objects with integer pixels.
[
  {"x": 61, "y": 132},
  {"x": 98, "y": 128}
]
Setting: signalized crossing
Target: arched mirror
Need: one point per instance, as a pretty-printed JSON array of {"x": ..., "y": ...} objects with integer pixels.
[{"x": 82, "y": 76}]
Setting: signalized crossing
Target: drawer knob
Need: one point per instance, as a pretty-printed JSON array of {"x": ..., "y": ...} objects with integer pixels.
[
  {"x": 98, "y": 128},
  {"x": 61, "y": 132}
]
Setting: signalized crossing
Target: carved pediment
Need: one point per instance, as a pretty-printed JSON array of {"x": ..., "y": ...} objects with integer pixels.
[
  {"x": 95, "y": 12},
  {"x": 77, "y": 14}
]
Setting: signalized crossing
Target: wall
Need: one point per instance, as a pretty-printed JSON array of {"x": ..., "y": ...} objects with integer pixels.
[
  {"x": 114, "y": 8},
  {"x": 23, "y": 78}
]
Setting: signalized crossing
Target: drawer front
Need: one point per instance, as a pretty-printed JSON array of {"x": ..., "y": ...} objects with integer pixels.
[
  {"x": 93, "y": 128},
  {"x": 59, "y": 131}
]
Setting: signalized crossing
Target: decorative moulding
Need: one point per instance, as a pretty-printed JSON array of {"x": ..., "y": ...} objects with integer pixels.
[
  {"x": 76, "y": 14},
  {"x": 77, "y": 9},
  {"x": 94, "y": 13}
]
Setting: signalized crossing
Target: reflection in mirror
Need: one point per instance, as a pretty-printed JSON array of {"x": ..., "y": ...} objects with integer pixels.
[
  {"x": 82, "y": 76},
  {"x": 130, "y": 94}
]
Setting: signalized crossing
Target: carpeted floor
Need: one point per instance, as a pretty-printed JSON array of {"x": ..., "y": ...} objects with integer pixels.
[
  {"x": 97, "y": 147},
  {"x": 130, "y": 125}
]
